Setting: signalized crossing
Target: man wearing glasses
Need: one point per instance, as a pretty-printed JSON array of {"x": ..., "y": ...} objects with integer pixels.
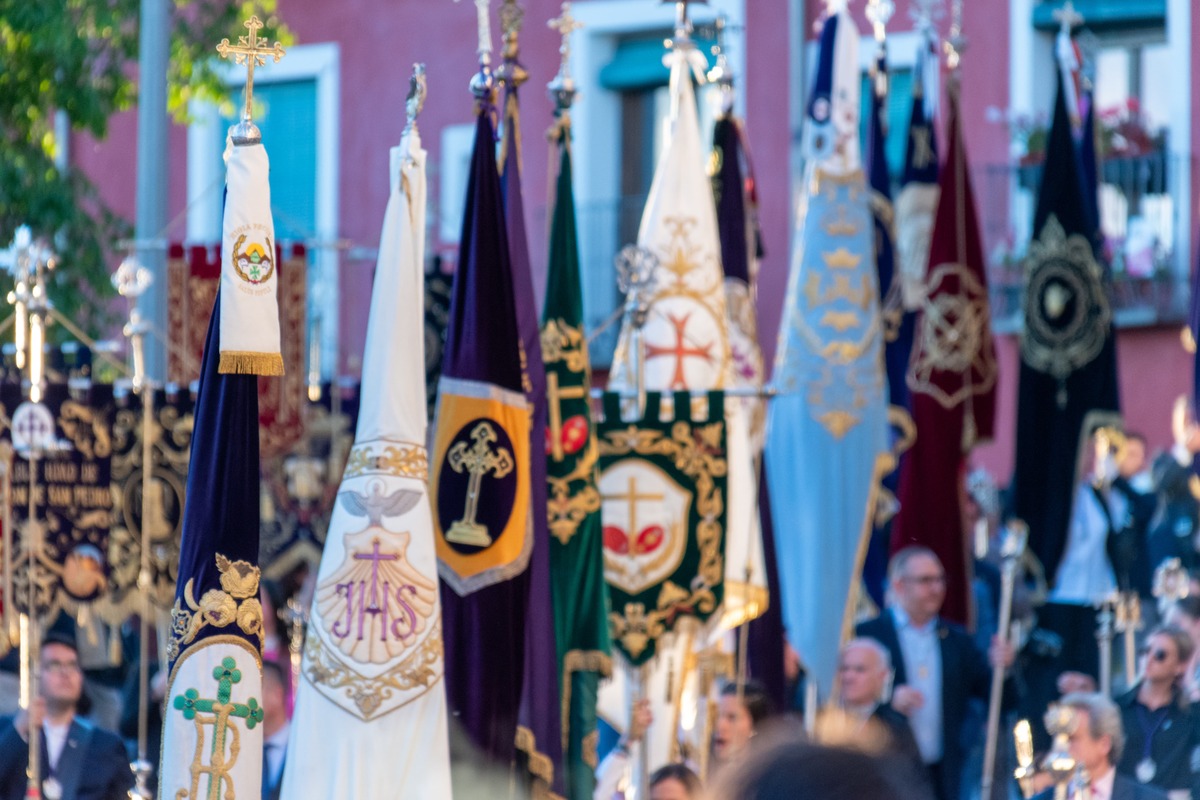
[
  {"x": 78, "y": 761},
  {"x": 938, "y": 668},
  {"x": 1162, "y": 731}
]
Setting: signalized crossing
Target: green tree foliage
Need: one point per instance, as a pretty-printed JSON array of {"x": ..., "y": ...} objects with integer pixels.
[{"x": 80, "y": 57}]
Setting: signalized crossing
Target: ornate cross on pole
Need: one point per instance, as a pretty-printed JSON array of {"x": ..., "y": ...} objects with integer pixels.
[
  {"x": 631, "y": 498},
  {"x": 562, "y": 88},
  {"x": 512, "y": 17},
  {"x": 680, "y": 350},
  {"x": 555, "y": 396},
  {"x": 956, "y": 43},
  {"x": 1067, "y": 17},
  {"x": 477, "y": 461},
  {"x": 374, "y": 557},
  {"x": 197, "y": 710},
  {"x": 252, "y": 52}
]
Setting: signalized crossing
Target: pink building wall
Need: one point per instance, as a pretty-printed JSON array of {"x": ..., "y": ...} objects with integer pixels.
[{"x": 380, "y": 41}]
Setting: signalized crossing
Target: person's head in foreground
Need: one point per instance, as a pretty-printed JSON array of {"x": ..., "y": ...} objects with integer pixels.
[
  {"x": 1099, "y": 738},
  {"x": 790, "y": 768},
  {"x": 742, "y": 708},
  {"x": 674, "y": 782}
]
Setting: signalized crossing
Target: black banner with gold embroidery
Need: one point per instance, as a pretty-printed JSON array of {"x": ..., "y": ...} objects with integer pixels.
[
  {"x": 1068, "y": 351},
  {"x": 663, "y": 501},
  {"x": 65, "y": 552},
  {"x": 161, "y": 511}
]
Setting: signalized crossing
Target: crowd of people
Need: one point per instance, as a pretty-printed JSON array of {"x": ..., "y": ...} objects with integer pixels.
[{"x": 906, "y": 718}]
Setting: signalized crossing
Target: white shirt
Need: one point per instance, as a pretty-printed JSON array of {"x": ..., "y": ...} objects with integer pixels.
[
  {"x": 1085, "y": 575},
  {"x": 1102, "y": 787},
  {"x": 923, "y": 666},
  {"x": 56, "y": 740}
]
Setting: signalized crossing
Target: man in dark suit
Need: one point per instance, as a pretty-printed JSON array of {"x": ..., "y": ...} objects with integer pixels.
[
  {"x": 937, "y": 666},
  {"x": 1096, "y": 746},
  {"x": 78, "y": 760},
  {"x": 864, "y": 668},
  {"x": 275, "y": 728}
]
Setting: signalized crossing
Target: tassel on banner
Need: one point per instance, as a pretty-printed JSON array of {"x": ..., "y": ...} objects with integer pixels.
[{"x": 239, "y": 362}]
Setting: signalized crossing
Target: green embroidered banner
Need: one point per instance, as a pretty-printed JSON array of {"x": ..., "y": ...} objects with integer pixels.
[{"x": 663, "y": 493}]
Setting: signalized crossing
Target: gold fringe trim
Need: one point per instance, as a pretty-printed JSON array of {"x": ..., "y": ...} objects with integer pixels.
[
  {"x": 540, "y": 765},
  {"x": 242, "y": 362},
  {"x": 579, "y": 661}
]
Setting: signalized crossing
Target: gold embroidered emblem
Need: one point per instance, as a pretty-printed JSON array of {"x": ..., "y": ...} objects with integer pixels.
[
  {"x": 256, "y": 263},
  {"x": 418, "y": 672},
  {"x": 235, "y": 602},
  {"x": 954, "y": 337},
  {"x": 376, "y": 604},
  {"x": 635, "y": 626},
  {"x": 1067, "y": 313},
  {"x": 398, "y": 459}
]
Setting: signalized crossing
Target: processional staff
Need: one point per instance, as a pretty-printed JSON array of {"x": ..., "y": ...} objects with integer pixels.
[
  {"x": 1012, "y": 548},
  {"x": 33, "y": 438},
  {"x": 131, "y": 281}
]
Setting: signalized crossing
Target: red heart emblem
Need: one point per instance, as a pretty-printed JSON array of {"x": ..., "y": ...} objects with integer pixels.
[
  {"x": 616, "y": 540},
  {"x": 650, "y": 539}
]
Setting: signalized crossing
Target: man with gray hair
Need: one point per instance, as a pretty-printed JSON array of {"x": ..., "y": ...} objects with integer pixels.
[
  {"x": 864, "y": 685},
  {"x": 1096, "y": 746}
]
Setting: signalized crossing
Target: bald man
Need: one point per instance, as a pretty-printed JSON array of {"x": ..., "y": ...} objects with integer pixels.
[{"x": 864, "y": 672}]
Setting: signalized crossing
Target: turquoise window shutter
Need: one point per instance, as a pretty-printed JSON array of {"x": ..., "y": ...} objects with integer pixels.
[
  {"x": 638, "y": 64},
  {"x": 286, "y": 113},
  {"x": 898, "y": 109}
]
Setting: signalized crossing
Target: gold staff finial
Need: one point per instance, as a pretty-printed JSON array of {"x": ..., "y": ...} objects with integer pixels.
[
  {"x": 512, "y": 17},
  {"x": 956, "y": 43},
  {"x": 562, "y": 87},
  {"x": 252, "y": 52}
]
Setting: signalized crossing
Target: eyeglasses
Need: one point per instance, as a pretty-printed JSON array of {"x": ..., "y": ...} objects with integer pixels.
[
  {"x": 61, "y": 667},
  {"x": 1156, "y": 654}
]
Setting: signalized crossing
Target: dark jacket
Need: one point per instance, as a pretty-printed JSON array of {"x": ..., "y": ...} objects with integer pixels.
[
  {"x": 1171, "y": 747},
  {"x": 965, "y": 674},
  {"x": 93, "y": 764},
  {"x": 901, "y": 739},
  {"x": 1123, "y": 789}
]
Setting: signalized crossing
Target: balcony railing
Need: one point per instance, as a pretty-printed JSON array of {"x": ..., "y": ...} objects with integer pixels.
[{"x": 1139, "y": 219}]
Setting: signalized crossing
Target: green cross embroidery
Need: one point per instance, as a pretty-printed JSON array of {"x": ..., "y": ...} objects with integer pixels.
[{"x": 217, "y": 713}]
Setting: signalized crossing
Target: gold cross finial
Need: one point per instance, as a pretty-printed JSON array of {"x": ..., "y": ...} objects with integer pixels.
[
  {"x": 252, "y": 52},
  {"x": 565, "y": 24},
  {"x": 512, "y": 16},
  {"x": 956, "y": 43},
  {"x": 562, "y": 88},
  {"x": 1067, "y": 17}
]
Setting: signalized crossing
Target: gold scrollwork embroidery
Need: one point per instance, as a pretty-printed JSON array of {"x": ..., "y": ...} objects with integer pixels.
[
  {"x": 692, "y": 449},
  {"x": 955, "y": 338},
  {"x": 401, "y": 459},
  {"x": 1062, "y": 277},
  {"x": 235, "y": 602},
  {"x": 564, "y": 342},
  {"x": 421, "y": 669}
]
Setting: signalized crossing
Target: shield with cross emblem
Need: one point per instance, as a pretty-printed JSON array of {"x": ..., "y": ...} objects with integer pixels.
[
  {"x": 481, "y": 484},
  {"x": 664, "y": 494}
]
